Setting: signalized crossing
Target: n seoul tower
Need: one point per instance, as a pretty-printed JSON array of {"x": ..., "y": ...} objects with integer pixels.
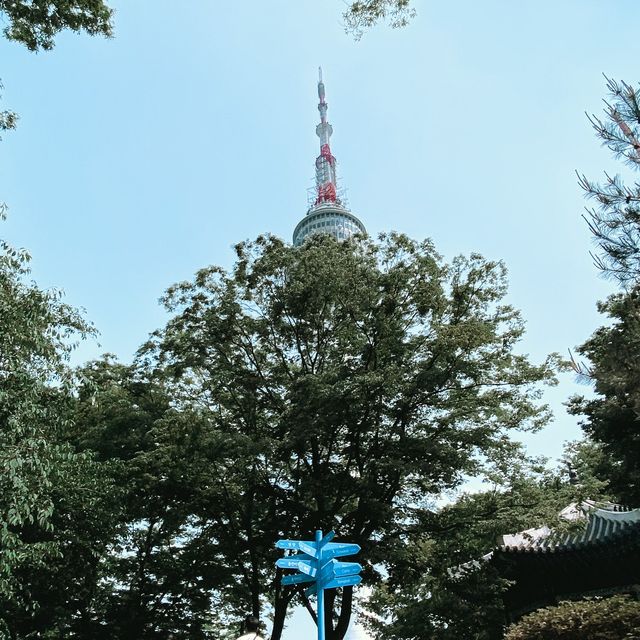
[{"x": 327, "y": 214}]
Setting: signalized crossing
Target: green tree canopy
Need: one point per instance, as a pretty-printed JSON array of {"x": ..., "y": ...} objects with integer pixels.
[
  {"x": 35, "y": 23},
  {"x": 35, "y": 328},
  {"x": 612, "y": 417},
  {"x": 49, "y": 496},
  {"x": 164, "y": 573}
]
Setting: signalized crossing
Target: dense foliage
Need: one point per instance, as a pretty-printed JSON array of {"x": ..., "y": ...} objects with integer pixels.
[
  {"x": 612, "y": 417},
  {"x": 616, "y": 618},
  {"x": 363, "y": 14},
  {"x": 164, "y": 572},
  {"x": 35, "y": 23},
  {"x": 50, "y": 497}
]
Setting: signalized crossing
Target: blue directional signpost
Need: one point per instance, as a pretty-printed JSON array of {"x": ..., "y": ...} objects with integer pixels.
[{"x": 317, "y": 565}]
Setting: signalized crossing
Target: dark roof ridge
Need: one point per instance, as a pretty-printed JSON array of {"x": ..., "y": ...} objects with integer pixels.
[{"x": 602, "y": 526}]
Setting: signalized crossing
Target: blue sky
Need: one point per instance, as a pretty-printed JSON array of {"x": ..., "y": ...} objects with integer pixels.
[{"x": 142, "y": 158}]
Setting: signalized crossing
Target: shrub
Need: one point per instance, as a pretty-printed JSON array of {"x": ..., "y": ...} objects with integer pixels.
[{"x": 616, "y": 618}]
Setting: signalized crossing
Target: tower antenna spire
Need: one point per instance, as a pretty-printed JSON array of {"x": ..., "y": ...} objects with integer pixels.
[{"x": 326, "y": 180}]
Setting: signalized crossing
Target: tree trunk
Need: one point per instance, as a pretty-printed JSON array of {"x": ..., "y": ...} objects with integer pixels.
[
  {"x": 329, "y": 600},
  {"x": 279, "y": 616},
  {"x": 346, "y": 606},
  {"x": 282, "y": 598}
]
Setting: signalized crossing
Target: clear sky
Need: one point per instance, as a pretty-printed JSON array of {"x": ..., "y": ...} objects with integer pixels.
[{"x": 140, "y": 159}]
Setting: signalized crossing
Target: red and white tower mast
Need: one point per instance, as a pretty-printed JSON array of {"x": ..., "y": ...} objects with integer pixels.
[{"x": 326, "y": 182}]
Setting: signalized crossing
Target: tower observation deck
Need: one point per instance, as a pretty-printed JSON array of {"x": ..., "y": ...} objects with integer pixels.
[{"x": 327, "y": 213}]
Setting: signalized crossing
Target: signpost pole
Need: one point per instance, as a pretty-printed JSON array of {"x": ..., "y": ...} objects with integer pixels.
[{"x": 320, "y": 612}]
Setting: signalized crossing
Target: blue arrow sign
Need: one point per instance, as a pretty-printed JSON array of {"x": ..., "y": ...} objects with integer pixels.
[
  {"x": 336, "y": 549},
  {"x": 309, "y": 548},
  {"x": 347, "y": 568},
  {"x": 294, "y": 544},
  {"x": 333, "y": 568},
  {"x": 294, "y": 562},
  {"x": 343, "y": 581},
  {"x": 297, "y": 578},
  {"x": 333, "y": 583},
  {"x": 308, "y": 569},
  {"x": 290, "y": 563},
  {"x": 333, "y": 549}
]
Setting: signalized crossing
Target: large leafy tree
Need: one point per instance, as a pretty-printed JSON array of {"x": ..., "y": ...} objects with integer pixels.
[
  {"x": 163, "y": 574},
  {"x": 340, "y": 385},
  {"x": 47, "y": 492}
]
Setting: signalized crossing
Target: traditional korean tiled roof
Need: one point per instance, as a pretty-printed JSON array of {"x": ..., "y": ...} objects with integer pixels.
[{"x": 603, "y": 525}]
